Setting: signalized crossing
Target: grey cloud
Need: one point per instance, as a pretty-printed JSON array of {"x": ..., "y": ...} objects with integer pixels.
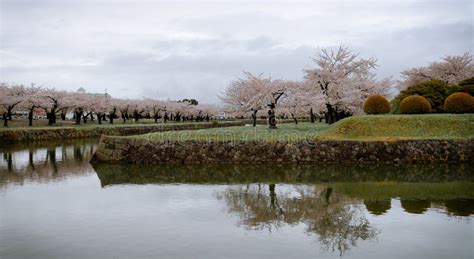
[{"x": 176, "y": 49}]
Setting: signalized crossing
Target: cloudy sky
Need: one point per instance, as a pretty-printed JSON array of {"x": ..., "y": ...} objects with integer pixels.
[{"x": 176, "y": 49}]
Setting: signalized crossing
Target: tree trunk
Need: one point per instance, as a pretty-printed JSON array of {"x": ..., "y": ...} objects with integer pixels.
[
  {"x": 135, "y": 115},
  {"x": 99, "y": 118},
  {"x": 329, "y": 114},
  {"x": 51, "y": 116},
  {"x": 271, "y": 117},
  {"x": 78, "y": 115},
  {"x": 10, "y": 114},
  {"x": 5, "y": 120},
  {"x": 30, "y": 116},
  {"x": 111, "y": 117},
  {"x": 294, "y": 118},
  {"x": 254, "y": 118},
  {"x": 311, "y": 115}
]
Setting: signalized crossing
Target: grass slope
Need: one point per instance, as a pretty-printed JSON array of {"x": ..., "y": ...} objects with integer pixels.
[
  {"x": 285, "y": 132},
  {"x": 359, "y": 128},
  {"x": 401, "y": 127},
  {"x": 20, "y": 125}
]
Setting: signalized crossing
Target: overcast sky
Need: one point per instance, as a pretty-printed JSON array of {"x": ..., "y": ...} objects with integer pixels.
[{"x": 193, "y": 49}]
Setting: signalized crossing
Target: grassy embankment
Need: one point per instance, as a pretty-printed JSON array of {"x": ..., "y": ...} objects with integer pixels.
[
  {"x": 17, "y": 124},
  {"x": 21, "y": 134},
  {"x": 403, "y": 127},
  {"x": 288, "y": 132},
  {"x": 357, "y": 128}
]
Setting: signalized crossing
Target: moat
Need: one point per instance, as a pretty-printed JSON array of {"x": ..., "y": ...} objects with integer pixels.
[{"x": 55, "y": 204}]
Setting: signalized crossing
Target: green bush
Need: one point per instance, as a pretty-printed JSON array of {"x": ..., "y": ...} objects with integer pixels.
[
  {"x": 465, "y": 86},
  {"x": 415, "y": 104},
  {"x": 376, "y": 104},
  {"x": 434, "y": 91},
  {"x": 459, "y": 103}
]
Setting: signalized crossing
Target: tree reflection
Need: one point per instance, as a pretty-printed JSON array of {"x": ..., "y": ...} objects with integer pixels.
[
  {"x": 339, "y": 221},
  {"x": 44, "y": 160},
  {"x": 376, "y": 186}
]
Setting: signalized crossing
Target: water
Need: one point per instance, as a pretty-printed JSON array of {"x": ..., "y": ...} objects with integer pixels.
[{"x": 54, "y": 204}]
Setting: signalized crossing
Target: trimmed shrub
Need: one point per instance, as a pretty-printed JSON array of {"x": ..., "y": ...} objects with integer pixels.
[
  {"x": 415, "y": 104},
  {"x": 459, "y": 103},
  {"x": 376, "y": 104}
]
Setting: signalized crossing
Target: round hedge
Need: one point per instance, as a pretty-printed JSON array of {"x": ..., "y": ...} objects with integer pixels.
[
  {"x": 415, "y": 104},
  {"x": 459, "y": 103},
  {"x": 376, "y": 104}
]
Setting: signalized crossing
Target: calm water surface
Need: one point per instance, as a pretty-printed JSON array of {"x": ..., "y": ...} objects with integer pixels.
[{"x": 54, "y": 204}]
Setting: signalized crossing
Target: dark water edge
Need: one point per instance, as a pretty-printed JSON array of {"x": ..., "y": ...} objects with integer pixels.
[{"x": 55, "y": 204}]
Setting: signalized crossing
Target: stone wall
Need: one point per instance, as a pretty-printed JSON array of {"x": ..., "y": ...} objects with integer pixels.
[
  {"x": 143, "y": 151},
  {"x": 18, "y": 135}
]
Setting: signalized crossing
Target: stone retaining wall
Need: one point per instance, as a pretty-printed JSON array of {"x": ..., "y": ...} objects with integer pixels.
[
  {"x": 143, "y": 151},
  {"x": 18, "y": 135}
]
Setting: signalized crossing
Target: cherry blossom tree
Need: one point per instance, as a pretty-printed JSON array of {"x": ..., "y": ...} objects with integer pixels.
[
  {"x": 10, "y": 98},
  {"x": 33, "y": 99},
  {"x": 113, "y": 107},
  {"x": 177, "y": 110},
  {"x": 56, "y": 101},
  {"x": 344, "y": 80},
  {"x": 298, "y": 103},
  {"x": 85, "y": 106},
  {"x": 78, "y": 103},
  {"x": 204, "y": 112},
  {"x": 273, "y": 92},
  {"x": 138, "y": 108},
  {"x": 154, "y": 108},
  {"x": 166, "y": 110},
  {"x": 251, "y": 94},
  {"x": 451, "y": 70},
  {"x": 124, "y": 107},
  {"x": 100, "y": 106}
]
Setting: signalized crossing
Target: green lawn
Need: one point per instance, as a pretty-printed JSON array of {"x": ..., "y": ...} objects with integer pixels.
[
  {"x": 363, "y": 128},
  {"x": 399, "y": 127},
  {"x": 287, "y": 131},
  {"x": 21, "y": 124}
]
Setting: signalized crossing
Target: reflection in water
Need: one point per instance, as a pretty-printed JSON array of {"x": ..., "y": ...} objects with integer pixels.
[
  {"x": 44, "y": 161},
  {"x": 339, "y": 207},
  {"x": 415, "y": 206},
  {"x": 450, "y": 187},
  {"x": 460, "y": 207},
  {"x": 330, "y": 201},
  {"x": 378, "y": 207},
  {"x": 384, "y": 175},
  {"x": 339, "y": 221}
]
